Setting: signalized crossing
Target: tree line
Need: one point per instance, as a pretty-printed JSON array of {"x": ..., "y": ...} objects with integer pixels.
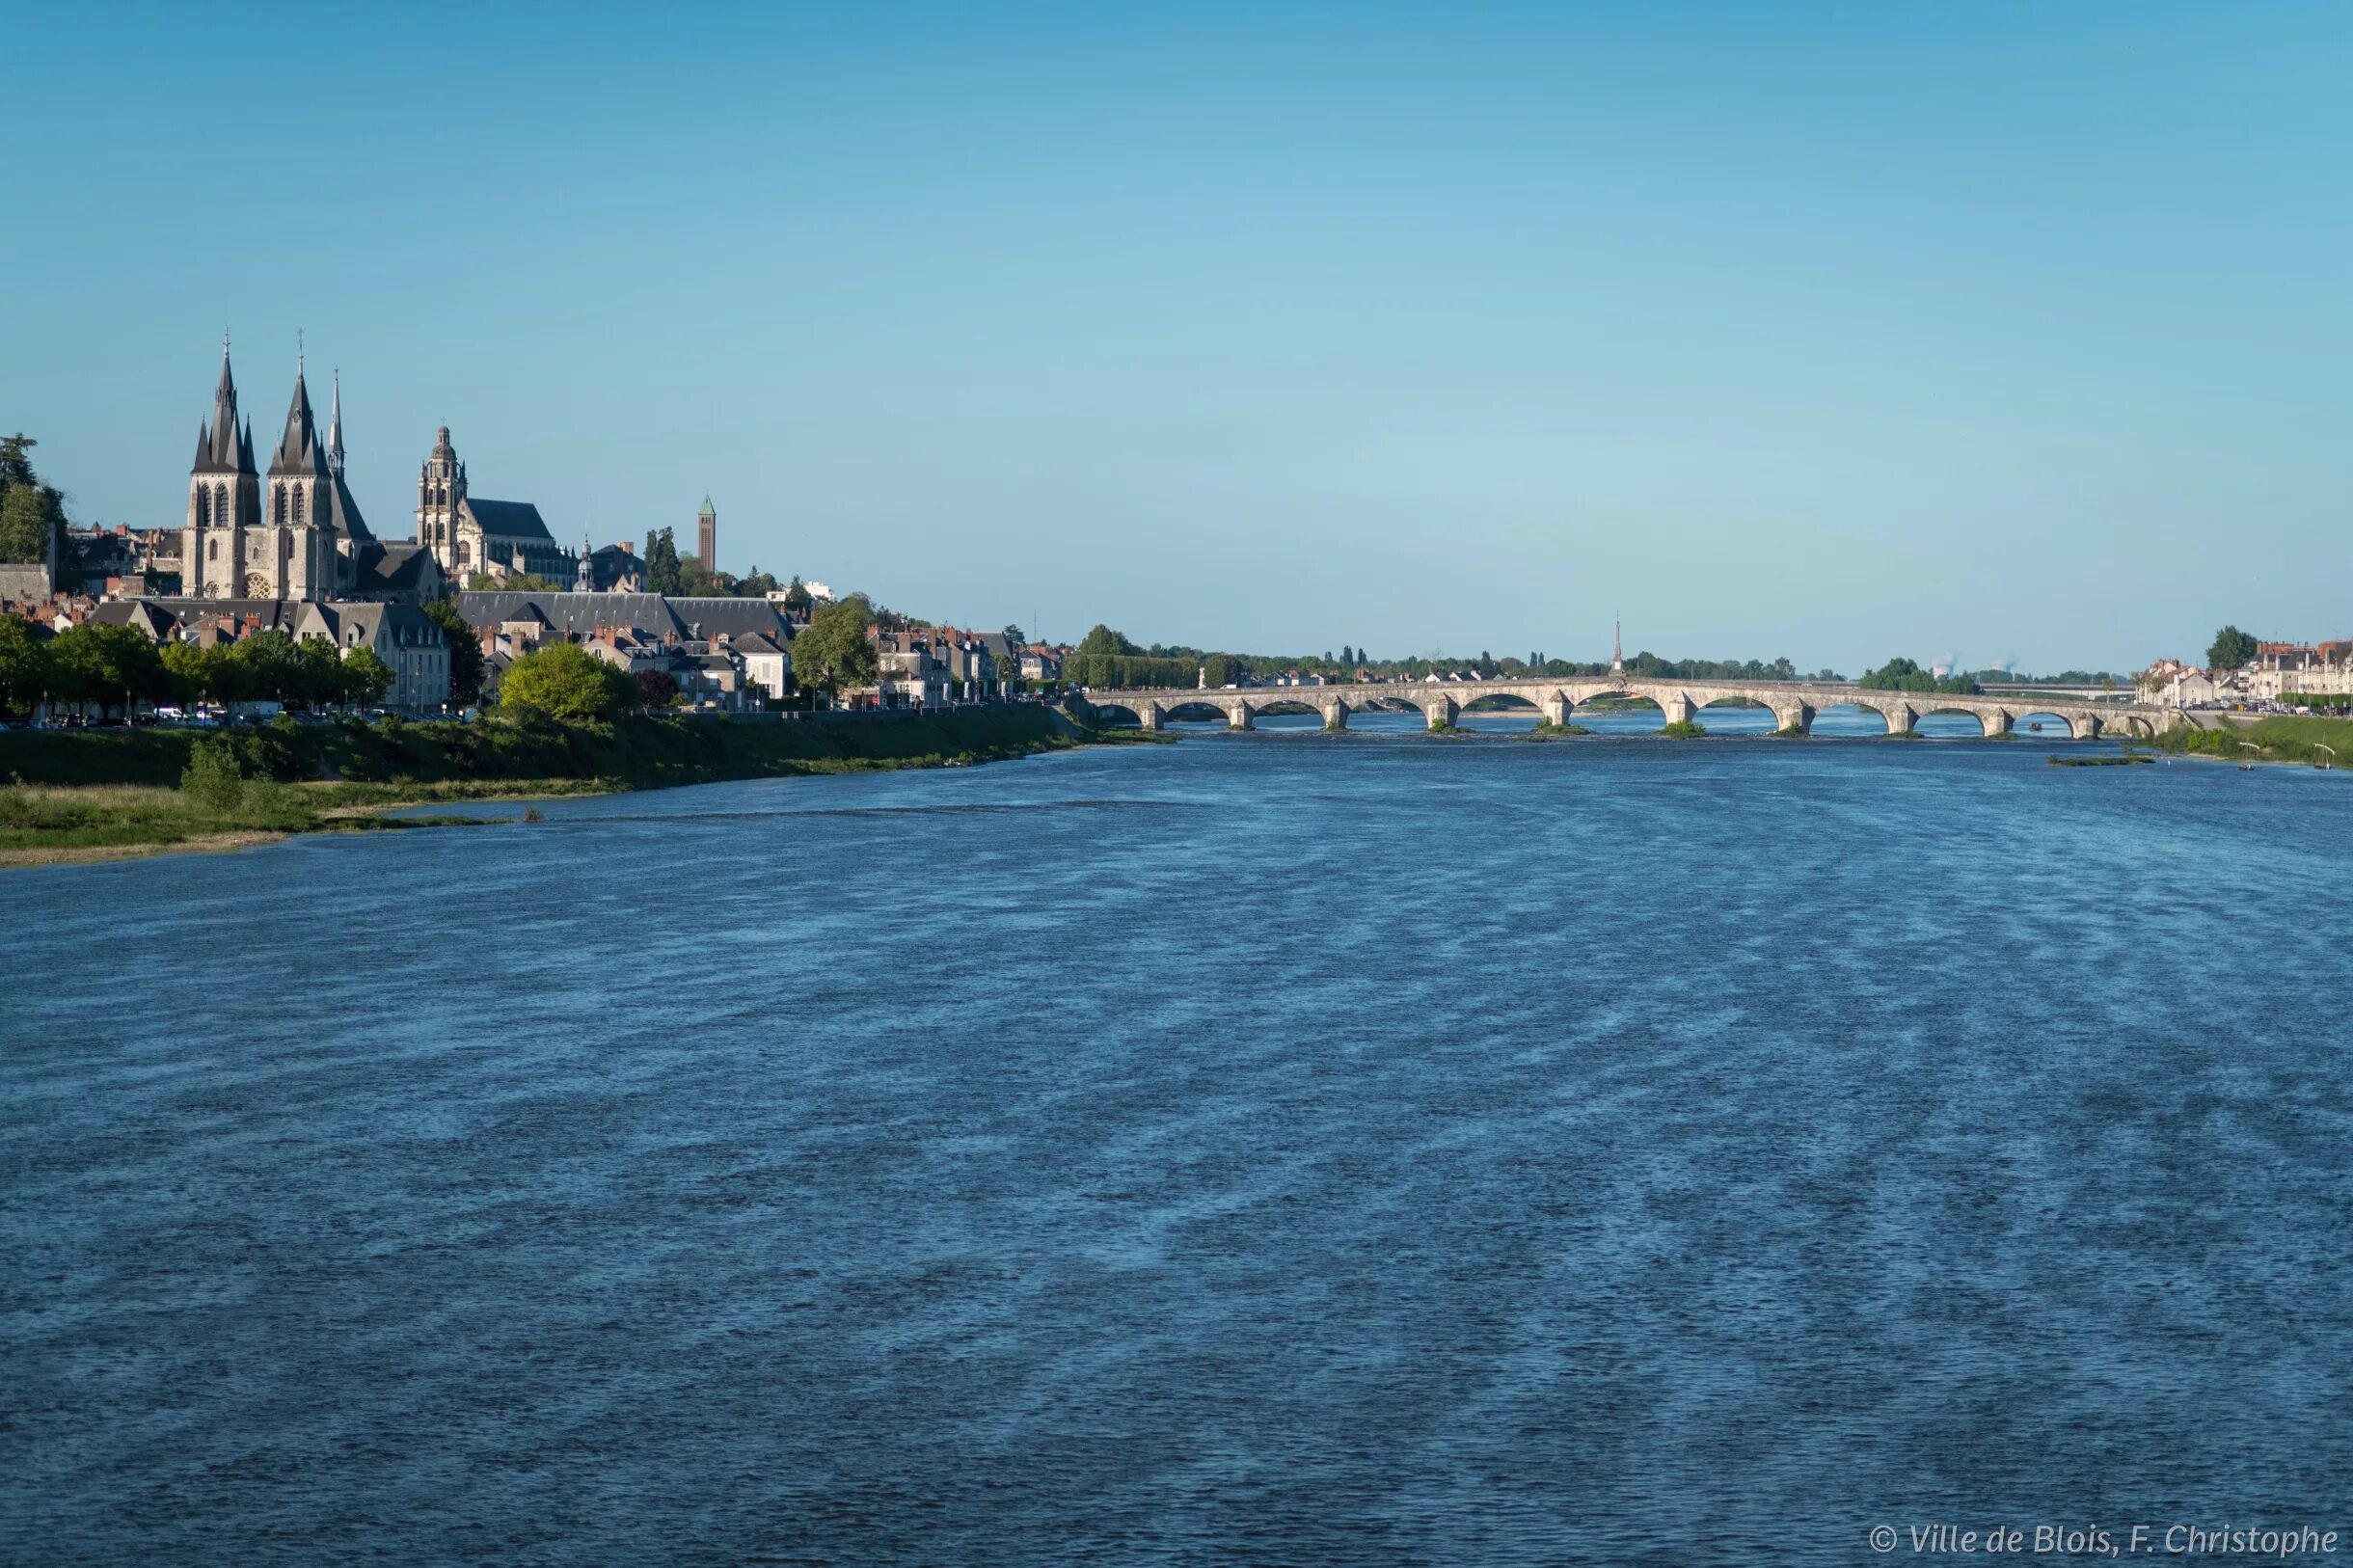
[{"x": 116, "y": 667}]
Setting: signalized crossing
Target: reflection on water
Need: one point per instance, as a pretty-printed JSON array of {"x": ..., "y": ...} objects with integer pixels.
[{"x": 1270, "y": 1148}]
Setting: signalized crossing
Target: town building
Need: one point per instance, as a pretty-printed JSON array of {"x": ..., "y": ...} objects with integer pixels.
[{"x": 707, "y": 536}]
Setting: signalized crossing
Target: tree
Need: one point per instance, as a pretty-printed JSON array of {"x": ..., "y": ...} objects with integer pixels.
[
  {"x": 1103, "y": 642},
  {"x": 32, "y": 514},
  {"x": 565, "y": 681},
  {"x": 832, "y": 650},
  {"x": 663, "y": 573},
  {"x": 1014, "y": 636},
  {"x": 1221, "y": 669},
  {"x": 526, "y": 583},
  {"x": 26, "y": 670},
  {"x": 318, "y": 672},
  {"x": 796, "y": 596},
  {"x": 2232, "y": 649},
  {"x": 366, "y": 677},
  {"x": 656, "y": 687},
  {"x": 269, "y": 666},
  {"x": 109, "y": 666},
  {"x": 465, "y": 653}
]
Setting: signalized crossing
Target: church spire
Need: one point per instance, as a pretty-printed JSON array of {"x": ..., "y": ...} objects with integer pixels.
[
  {"x": 222, "y": 450},
  {"x": 298, "y": 450},
  {"x": 334, "y": 426}
]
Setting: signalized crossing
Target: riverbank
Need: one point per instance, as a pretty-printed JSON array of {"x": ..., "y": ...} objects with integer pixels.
[
  {"x": 107, "y": 794},
  {"x": 2280, "y": 739}
]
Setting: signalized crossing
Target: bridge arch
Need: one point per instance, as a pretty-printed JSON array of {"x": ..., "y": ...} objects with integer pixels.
[
  {"x": 1852, "y": 718},
  {"x": 1626, "y": 705}
]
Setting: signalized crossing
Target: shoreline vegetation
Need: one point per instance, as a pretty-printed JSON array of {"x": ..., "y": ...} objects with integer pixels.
[{"x": 100, "y": 795}]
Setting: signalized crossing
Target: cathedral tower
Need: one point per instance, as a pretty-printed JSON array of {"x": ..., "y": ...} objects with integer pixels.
[
  {"x": 224, "y": 498},
  {"x": 707, "y": 536},
  {"x": 299, "y": 509},
  {"x": 440, "y": 494}
]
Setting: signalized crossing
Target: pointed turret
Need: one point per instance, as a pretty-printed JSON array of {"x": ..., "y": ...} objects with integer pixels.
[{"x": 335, "y": 428}]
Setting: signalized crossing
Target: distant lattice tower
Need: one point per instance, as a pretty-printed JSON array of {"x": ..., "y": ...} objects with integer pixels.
[{"x": 707, "y": 535}]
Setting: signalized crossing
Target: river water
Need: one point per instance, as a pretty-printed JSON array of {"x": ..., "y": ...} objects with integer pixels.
[{"x": 1260, "y": 1148}]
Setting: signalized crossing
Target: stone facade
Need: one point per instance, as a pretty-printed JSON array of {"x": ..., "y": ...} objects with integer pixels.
[{"x": 286, "y": 535}]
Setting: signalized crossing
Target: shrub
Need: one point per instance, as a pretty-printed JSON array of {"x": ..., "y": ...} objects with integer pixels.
[
  {"x": 1685, "y": 729},
  {"x": 215, "y": 779}
]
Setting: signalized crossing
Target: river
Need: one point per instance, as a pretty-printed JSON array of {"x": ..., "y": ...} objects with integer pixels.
[{"x": 1259, "y": 1149}]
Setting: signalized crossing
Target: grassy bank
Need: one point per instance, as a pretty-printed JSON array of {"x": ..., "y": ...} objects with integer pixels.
[
  {"x": 2282, "y": 740},
  {"x": 78, "y": 794}
]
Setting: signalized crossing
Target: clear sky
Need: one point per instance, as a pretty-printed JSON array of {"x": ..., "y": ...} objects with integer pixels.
[{"x": 1839, "y": 331}]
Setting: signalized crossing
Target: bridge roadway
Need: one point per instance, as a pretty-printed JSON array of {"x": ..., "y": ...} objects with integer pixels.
[{"x": 1794, "y": 703}]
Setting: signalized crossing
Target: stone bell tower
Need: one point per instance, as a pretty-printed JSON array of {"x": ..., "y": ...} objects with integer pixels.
[
  {"x": 440, "y": 494},
  {"x": 224, "y": 498}
]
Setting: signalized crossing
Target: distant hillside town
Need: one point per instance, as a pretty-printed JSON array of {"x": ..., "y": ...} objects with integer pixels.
[{"x": 269, "y": 558}]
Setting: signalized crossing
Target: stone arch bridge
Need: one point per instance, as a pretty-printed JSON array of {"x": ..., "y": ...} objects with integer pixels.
[{"x": 1794, "y": 703}]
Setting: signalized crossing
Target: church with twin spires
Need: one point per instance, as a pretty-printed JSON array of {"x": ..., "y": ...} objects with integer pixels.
[{"x": 292, "y": 533}]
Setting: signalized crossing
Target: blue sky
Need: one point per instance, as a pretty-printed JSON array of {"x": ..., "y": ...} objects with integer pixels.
[{"x": 1839, "y": 331}]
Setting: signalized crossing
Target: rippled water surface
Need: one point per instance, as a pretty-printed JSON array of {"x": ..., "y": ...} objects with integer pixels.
[{"x": 1270, "y": 1148}]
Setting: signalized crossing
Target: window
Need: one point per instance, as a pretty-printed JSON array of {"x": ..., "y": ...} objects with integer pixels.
[
  {"x": 299, "y": 496},
  {"x": 213, "y": 551},
  {"x": 278, "y": 504},
  {"x": 204, "y": 506}
]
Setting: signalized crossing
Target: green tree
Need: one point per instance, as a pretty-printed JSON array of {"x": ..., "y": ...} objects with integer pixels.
[
  {"x": 1104, "y": 641},
  {"x": 215, "y": 779},
  {"x": 32, "y": 514},
  {"x": 663, "y": 572},
  {"x": 465, "y": 653},
  {"x": 109, "y": 666},
  {"x": 1221, "y": 669},
  {"x": 2232, "y": 649},
  {"x": 796, "y": 596},
  {"x": 269, "y": 667},
  {"x": 366, "y": 677},
  {"x": 1903, "y": 675},
  {"x": 832, "y": 650},
  {"x": 565, "y": 681},
  {"x": 1012, "y": 635},
  {"x": 318, "y": 672},
  {"x": 26, "y": 673}
]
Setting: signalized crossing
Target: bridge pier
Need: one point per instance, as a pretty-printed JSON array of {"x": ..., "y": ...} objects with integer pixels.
[
  {"x": 1238, "y": 716},
  {"x": 1556, "y": 708},
  {"x": 1151, "y": 716},
  {"x": 1441, "y": 711},
  {"x": 1336, "y": 715},
  {"x": 1796, "y": 716},
  {"x": 1676, "y": 706},
  {"x": 2084, "y": 726},
  {"x": 1996, "y": 721},
  {"x": 1900, "y": 717}
]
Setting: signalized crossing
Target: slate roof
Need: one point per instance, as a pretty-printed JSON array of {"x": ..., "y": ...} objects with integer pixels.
[
  {"x": 578, "y": 615},
  {"x": 508, "y": 519},
  {"x": 396, "y": 567},
  {"x": 571, "y": 614},
  {"x": 345, "y": 512},
  {"x": 735, "y": 617},
  {"x": 298, "y": 452}
]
